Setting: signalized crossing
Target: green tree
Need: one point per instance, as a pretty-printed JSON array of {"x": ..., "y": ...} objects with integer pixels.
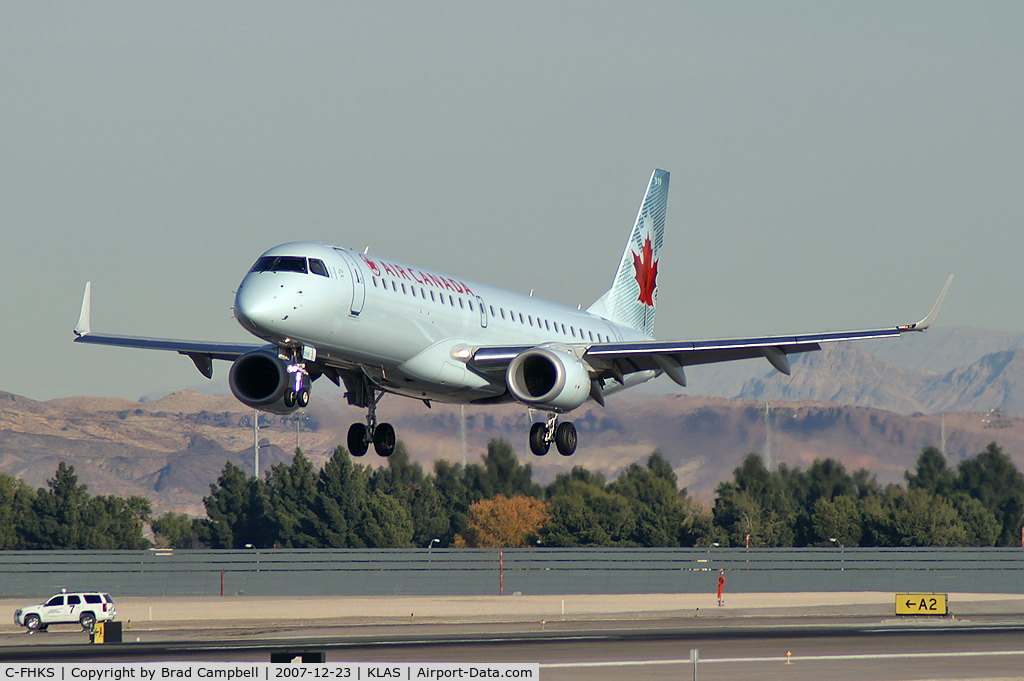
[
  {"x": 584, "y": 513},
  {"x": 237, "y": 511},
  {"x": 341, "y": 501},
  {"x": 838, "y": 518},
  {"x": 59, "y": 512},
  {"x": 15, "y": 511},
  {"x": 912, "y": 518},
  {"x": 991, "y": 478},
  {"x": 658, "y": 505},
  {"x": 931, "y": 473},
  {"x": 173, "y": 530},
  {"x": 292, "y": 492}
]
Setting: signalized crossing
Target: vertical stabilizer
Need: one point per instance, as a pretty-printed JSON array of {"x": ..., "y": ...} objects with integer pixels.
[{"x": 634, "y": 293}]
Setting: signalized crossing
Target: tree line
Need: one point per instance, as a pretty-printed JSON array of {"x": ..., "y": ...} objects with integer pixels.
[{"x": 496, "y": 502}]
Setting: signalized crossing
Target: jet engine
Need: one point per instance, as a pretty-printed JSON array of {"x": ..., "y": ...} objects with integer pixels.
[
  {"x": 262, "y": 380},
  {"x": 549, "y": 379}
]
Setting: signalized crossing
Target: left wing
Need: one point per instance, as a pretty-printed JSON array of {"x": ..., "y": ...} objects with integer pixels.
[
  {"x": 615, "y": 360},
  {"x": 202, "y": 353}
]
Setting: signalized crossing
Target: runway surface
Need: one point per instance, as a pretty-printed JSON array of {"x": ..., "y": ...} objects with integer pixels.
[{"x": 751, "y": 644}]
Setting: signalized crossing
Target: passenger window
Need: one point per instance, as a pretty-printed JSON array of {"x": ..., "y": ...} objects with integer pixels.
[
  {"x": 470, "y": 305},
  {"x": 492, "y": 311},
  {"x": 547, "y": 326},
  {"x": 394, "y": 286},
  {"x": 461, "y": 305},
  {"x": 403, "y": 289},
  {"x": 375, "y": 282},
  {"x": 521, "y": 320},
  {"x": 93, "y": 598},
  {"x": 74, "y": 600},
  {"x": 56, "y": 600},
  {"x": 591, "y": 336},
  {"x": 432, "y": 298},
  {"x": 530, "y": 318},
  {"x": 318, "y": 267},
  {"x": 502, "y": 312},
  {"x": 572, "y": 330}
]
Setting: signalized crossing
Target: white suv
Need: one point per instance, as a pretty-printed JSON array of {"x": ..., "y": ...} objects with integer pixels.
[{"x": 85, "y": 608}]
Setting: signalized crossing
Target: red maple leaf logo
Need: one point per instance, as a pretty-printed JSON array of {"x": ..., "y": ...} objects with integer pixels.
[
  {"x": 372, "y": 264},
  {"x": 646, "y": 273}
]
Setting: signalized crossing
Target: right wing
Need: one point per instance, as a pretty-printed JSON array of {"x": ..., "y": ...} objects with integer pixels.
[
  {"x": 202, "y": 353},
  {"x": 615, "y": 360}
]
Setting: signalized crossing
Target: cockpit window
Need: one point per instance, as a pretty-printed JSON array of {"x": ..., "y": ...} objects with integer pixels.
[
  {"x": 281, "y": 263},
  {"x": 317, "y": 267}
]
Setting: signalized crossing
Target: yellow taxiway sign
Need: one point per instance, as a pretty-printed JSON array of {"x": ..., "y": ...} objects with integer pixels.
[{"x": 921, "y": 604}]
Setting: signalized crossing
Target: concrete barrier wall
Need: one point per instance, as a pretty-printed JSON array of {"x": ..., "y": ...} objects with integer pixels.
[{"x": 367, "y": 572}]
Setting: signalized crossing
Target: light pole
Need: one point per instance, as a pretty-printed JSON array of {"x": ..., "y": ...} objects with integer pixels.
[
  {"x": 430, "y": 546},
  {"x": 842, "y": 559}
]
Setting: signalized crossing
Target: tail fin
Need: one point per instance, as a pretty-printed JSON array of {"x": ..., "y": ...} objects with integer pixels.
[{"x": 634, "y": 292}]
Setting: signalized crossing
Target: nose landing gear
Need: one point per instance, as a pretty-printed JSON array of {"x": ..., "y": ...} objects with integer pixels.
[
  {"x": 381, "y": 435},
  {"x": 298, "y": 392},
  {"x": 562, "y": 434}
]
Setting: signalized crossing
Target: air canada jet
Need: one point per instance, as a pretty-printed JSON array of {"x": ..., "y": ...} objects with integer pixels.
[{"x": 379, "y": 326}]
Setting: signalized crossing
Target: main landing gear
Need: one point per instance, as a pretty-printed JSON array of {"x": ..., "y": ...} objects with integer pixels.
[
  {"x": 382, "y": 435},
  {"x": 562, "y": 434}
]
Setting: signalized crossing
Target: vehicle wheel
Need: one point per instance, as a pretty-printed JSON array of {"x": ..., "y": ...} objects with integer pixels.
[
  {"x": 33, "y": 622},
  {"x": 538, "y": 444},
  {"x": 565, "y": 438},
  {"x": 384, "y": 439},
  {"x": 289, "y": 398},
  {"x": 357, "y": 444},
  {"x": 87, "y": 620},
  {"x": 302, "y": 398}
]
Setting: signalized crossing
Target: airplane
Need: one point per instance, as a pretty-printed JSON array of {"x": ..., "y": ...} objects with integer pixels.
[{"x": 384, "y": 327}]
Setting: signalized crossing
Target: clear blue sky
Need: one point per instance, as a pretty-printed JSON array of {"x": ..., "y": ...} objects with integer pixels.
[{"x": 831, "y": 162}]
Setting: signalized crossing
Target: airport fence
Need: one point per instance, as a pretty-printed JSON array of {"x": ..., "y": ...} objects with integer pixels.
[{"x": 541, "y": 571}]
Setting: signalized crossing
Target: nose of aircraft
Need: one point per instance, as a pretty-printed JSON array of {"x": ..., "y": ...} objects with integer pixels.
[{"x": 259, "y": 306}]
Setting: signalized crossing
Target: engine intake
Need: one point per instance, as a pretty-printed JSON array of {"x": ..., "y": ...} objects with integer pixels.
[
  {"x": 260, "y": 379},
  {"x": 552, "y": 379}
]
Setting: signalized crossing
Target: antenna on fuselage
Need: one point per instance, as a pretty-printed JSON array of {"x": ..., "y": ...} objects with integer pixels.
[{"x": 366, "y": 250}]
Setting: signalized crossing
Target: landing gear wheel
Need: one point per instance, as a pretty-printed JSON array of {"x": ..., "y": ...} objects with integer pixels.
[
  {"x": 384, "y": 439},
  {"x": 302, "y": 398},
  {"x": 358, "y": 443},
  {"x": 87, "y": 620},
  {"x": 565, "y": 438},
  {"x": 289, "y": 398},
  {"x": 539, "y": 444},
  {"x": 33, "y": 622}
]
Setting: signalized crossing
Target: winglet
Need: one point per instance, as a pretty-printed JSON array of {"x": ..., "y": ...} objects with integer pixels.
[
  {"x": 927, "y": 321},
  {"x": 84, "y": 323}
]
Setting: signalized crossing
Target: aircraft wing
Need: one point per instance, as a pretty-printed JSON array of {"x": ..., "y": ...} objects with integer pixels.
[
  {"x": 202, "y": 353},
  {"x": 615, "y": 360}
]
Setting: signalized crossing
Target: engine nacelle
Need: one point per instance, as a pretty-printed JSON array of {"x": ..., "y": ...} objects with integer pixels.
[
  {"x": 260, "y": 379},
  {"x": 548, "y": 378}
]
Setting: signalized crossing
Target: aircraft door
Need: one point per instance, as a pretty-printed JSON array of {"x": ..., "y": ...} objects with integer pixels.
[
  {"x": 483, "y": 312},
  {"x": 358, "y": 281}
]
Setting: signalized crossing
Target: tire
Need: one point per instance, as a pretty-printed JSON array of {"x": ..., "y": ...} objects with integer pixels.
[
  {"x": 289, "y": 398},
  {"x": 302, "y": 398},
  {"x": 87, "y": 620},
  {"x": 538, "y": 444},
  {"x": 357, "y": 444},
  {"x": 384, "y": 439},
  {"x": 565, "y": 438},
  {"x": 33, "y": 622}
]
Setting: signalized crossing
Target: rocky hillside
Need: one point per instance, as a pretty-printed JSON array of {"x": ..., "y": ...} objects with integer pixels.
[
  {"x": 846, "y": 373},
  {"x": 172, "y": 449}
]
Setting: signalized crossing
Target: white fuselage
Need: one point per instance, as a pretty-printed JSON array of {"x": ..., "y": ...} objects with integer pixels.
[{"x": 405, "y": 326}]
